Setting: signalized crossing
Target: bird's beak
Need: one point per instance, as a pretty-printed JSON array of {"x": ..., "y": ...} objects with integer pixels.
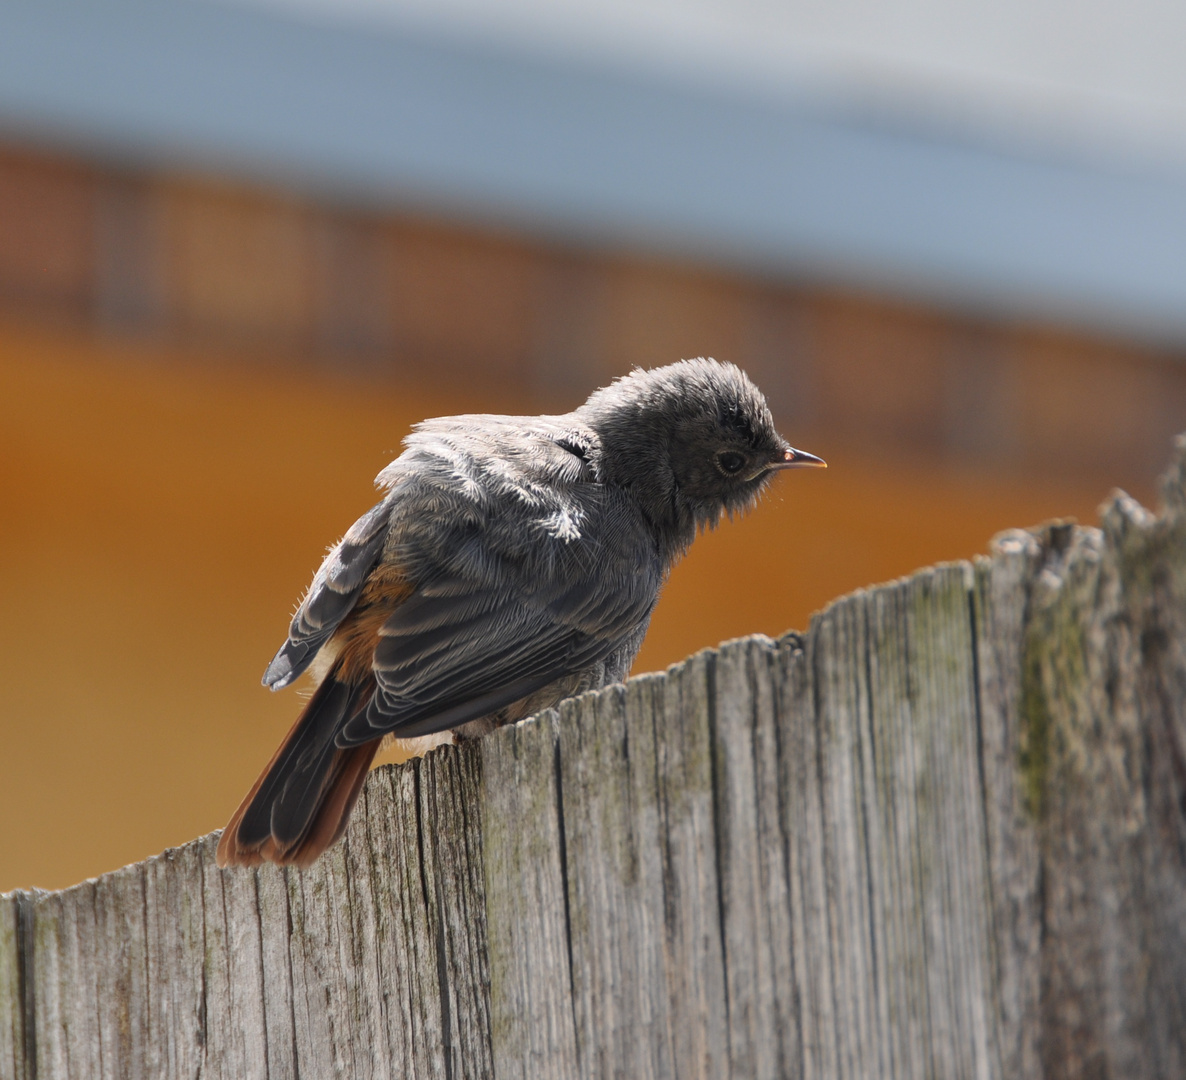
[{"x": 798, "y": 459}]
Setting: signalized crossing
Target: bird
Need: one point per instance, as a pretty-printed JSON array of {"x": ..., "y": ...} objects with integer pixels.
[{"x": 512, "y": 562}]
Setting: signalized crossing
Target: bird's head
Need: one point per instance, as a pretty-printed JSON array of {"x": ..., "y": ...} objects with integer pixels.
[{"x": 691, "y": 441}]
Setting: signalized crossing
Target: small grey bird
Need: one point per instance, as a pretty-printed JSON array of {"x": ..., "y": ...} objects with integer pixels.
[{"x": 513, "y": 562}]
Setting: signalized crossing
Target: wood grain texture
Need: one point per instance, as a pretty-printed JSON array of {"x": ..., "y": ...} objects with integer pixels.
[
  {"x": 12, "y": 986},
  {"x": 649, "y": 990},
  {"x": 942, "y": 834},
  {"x": 531, "y": 1017},
  {"x": 1001, "y": 601}
]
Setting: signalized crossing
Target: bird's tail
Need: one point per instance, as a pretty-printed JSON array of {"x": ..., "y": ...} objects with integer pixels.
[{"x": 301, "y": 802}]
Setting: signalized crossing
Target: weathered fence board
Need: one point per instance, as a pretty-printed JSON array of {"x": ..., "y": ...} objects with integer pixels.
[{"x": 943, "y": 834}]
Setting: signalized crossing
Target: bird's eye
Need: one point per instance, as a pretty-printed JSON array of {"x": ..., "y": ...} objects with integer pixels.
[{"x": 731, "y": 462}]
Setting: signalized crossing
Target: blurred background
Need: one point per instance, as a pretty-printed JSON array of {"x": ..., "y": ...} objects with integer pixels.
[{"x": 244, "y": 245}]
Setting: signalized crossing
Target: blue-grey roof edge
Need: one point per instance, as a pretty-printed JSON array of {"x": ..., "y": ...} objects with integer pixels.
[{"x": 602, "y": 157}]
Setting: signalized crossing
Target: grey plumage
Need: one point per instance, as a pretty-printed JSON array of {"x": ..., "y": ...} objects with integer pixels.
[{"x": 522, "y": 558}]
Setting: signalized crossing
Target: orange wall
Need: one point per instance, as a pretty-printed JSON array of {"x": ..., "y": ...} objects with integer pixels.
[{"x": 160, "y": 516}]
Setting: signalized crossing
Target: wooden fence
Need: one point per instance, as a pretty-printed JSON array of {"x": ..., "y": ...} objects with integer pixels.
[{"x": 943, "y": 834}]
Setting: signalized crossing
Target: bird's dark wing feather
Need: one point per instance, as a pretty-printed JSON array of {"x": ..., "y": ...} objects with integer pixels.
[
  {"x": 333, "y": 593},
  {"x": 450, "y": 655}
]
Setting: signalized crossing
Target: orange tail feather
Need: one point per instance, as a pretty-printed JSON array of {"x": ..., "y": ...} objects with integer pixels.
[{"x": 338, "y": 776}]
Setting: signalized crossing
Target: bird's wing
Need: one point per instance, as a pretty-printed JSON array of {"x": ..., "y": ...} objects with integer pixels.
[
  {"x": 334, "y": 591},
  {"x": 454, "y": 653}
]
